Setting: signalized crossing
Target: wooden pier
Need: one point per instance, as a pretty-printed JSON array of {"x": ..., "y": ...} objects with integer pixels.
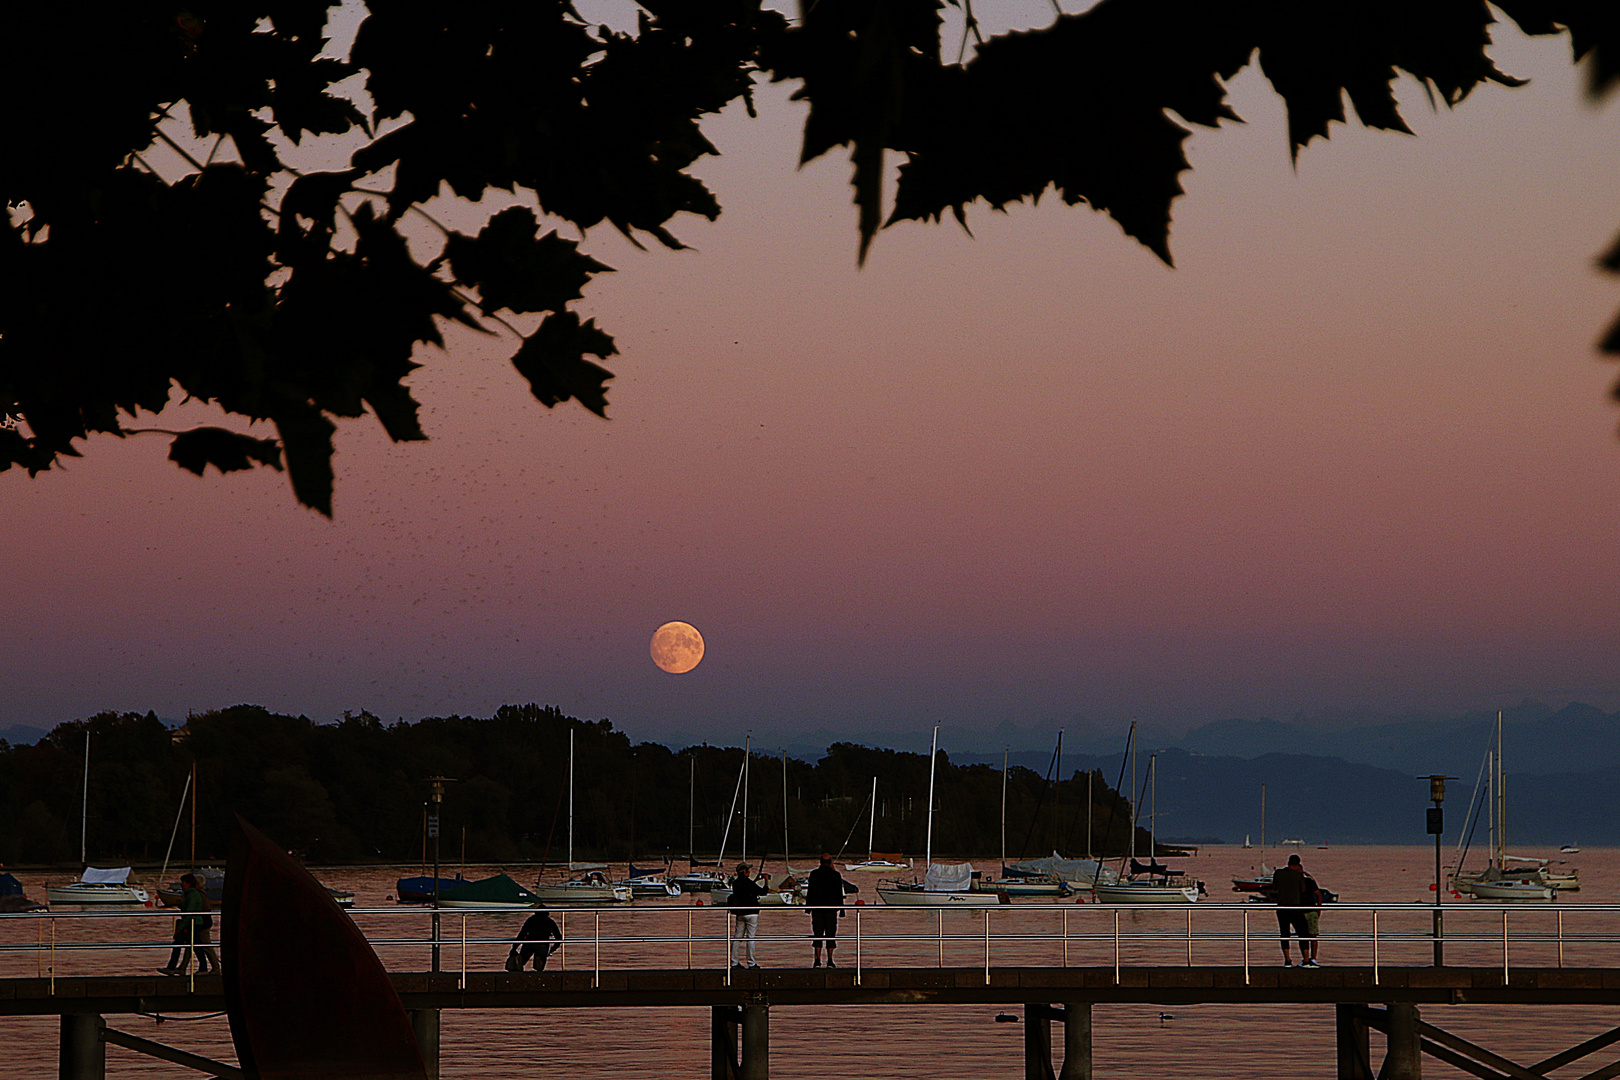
[{"x": 1387, "y": 1000}]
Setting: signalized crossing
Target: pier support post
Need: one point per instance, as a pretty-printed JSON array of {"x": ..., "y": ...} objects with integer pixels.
[
  {"x": 1077, "y": 1041},
  {"x": 82, "y": 1054},
  {"x": 1355, "y": 1058},
  {"x": 1404, "y": 1058},
  {"x": 756, "y": 1040},
  {"x": 425, "y": 1023},
  {"x": 723, "y": 1042},
  {"x": 1038, "y": 1043}
]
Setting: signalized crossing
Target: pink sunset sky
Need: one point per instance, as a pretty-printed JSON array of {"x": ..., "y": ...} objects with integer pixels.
[{"x": 1355, "y": 454}]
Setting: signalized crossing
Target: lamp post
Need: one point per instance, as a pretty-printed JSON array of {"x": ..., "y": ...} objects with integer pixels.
[
  {"x": 1436, "y": 826},
  {"x": 438, "y": 783}
]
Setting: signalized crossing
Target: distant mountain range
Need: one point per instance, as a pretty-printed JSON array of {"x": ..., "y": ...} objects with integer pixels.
[{"x": 1359, "y": 785}]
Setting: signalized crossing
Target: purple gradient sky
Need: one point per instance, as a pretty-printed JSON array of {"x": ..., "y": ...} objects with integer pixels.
[{"x": 1355, "y": 454}]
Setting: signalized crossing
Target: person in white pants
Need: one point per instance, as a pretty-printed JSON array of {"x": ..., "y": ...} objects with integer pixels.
[{"x": 744, "y": 905}]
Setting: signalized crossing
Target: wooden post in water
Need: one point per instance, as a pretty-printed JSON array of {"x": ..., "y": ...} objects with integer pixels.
[
  {"x": 1077, "y": 1041},
  {"x": 82, "y": 1054},
  {"x": 1404, "y": 1058},
  {"x": 425, "y": 1025},
  {"x": 756, "y": 1039},
  {"x": 1038, "y": 1042},
  {"x": 1355, "y": 1058},
  {"x": 723, "y": 1042}
]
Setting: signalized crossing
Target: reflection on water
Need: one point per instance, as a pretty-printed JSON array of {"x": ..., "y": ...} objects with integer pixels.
[{"x": 907, "y": 1041}]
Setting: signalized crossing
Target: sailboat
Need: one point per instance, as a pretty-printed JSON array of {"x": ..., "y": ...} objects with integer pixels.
[
  {"x": 1498, "y": 881},
  {"x": 592, "y": 887},
  {"x": 884, "y": 862},
  {"x": 793, "y": 892},
  {"x": 1022, "y": 882},
  {"x": 95, "y": 886},
  {"x": 943, "y": 884},
  {"x": 711, "y": 881},
  {"x": 1262, "y": 880},
  {"x": 1153, "y": 882}
]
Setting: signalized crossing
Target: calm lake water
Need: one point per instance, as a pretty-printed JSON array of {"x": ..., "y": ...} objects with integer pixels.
[{"x": 914, "y": 1041}]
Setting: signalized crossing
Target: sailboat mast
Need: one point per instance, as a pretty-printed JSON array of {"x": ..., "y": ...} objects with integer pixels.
[
  {"x": 570, "y": 799},
  {"x": 748, "y": 741},
  {"x": 1004, "y": 810},
  {"x": 1491, "y": 827},
  {"x": 871, "y": 824},
  {"x": 1134, "y": 798},
  {"x": 1057, "y": 790},
  {"x": 1501, "y": 798},
  {"x": 1089, "y": 773},
  {"x": 1153, "y": 806},
  {"x": 933, "y": 756},
  {"x": 691, "y": 810},
  {"x": 193, "y": 816},
  {"x": 84, "y": 806},
  {"x": 1262, "y": 825},
  {"x": 786, "y": 868},
  {"x": 730, "y": 816}
]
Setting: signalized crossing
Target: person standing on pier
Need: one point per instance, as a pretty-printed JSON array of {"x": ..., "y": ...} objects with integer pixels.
[
  {"x": 539, "y": 930},
  {"x": 744, "y": 905},
  {"x": 825, "y": 890},
  {"x": 1288, "y": 887}
]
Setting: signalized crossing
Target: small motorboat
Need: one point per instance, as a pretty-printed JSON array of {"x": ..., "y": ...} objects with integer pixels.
[
  {"x": 591, "y": 888},
  {"x": 650, "y": 886},
  {"x": 1162, "y": 891},
  {"x": 700, "y": 881},
  {"x": 878, "y": 864},
  {"x": 1021, "y": 885},
  {"x": 944, "y": 885},
  {"x": 1510, "y": 889},
  {"x": 99, "y": 887}
]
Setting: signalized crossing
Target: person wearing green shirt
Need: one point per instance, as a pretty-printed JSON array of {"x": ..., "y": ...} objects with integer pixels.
[{"x": 192, "y": 930}]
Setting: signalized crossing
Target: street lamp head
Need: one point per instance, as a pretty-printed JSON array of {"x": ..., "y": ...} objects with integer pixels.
[{"x": 1437, "y": 786}]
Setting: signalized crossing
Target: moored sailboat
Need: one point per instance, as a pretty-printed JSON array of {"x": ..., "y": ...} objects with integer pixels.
[
  {"x": 1153, "y": 882},
  {"x": 943, "y": 884}
]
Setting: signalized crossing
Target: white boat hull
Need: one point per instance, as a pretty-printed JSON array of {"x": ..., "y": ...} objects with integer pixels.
[
  {"x": 583, "y": 894},
  {"x": 1128, "y": 893},
  {"x": 1510, "y": 890},
  {"x": 923, "y": 898},
  {"x": 877, "y": 866},
  {"x": 81, "y": 893},
  {"x": 482, "y": 905}
]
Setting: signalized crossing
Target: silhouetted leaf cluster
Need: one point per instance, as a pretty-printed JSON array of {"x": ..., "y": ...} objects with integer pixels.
[{"x": 297, "y": 298}]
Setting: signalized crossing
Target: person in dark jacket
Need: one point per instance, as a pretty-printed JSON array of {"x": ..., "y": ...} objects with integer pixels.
[
  {"x": 825, "y": 888},
  {"x": 191, "y": 930},
  {"x": 1288, "y": 885},
  {"x": 537, "y": 935},
  {"x": 744, "y": 905}
]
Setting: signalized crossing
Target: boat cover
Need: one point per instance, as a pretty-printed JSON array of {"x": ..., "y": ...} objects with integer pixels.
[
  {"x": 948, "y": 877},
  {"x": 1157, "y": 869},
  {"x": 1075, "y": 870},
  {"x": 499, "y": 889},
  {"x": 92, "y": 876},
  {"x": 642, "y": 871},
  {"x": 10, "y": 886}
]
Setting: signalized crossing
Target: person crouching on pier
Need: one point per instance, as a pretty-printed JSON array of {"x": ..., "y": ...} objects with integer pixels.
[
  {"x": 191, "y": 931},
  {"x": 744, "y": 905},
  {"x": 825, "y": 889},
  {"x": 537, "y": 935},
  {"x": 1288, "y": 883}
]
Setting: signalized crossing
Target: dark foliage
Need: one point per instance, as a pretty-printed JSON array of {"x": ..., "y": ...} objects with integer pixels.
[
  {"x": 293, "y": 298},
  {"x": 356, "y": 790}
]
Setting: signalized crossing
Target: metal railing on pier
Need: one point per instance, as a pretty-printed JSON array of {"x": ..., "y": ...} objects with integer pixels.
[{"x": 663, "y": 935}]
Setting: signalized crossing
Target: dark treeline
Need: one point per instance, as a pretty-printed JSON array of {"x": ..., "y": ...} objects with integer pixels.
[{"x": 356, "y": 790}]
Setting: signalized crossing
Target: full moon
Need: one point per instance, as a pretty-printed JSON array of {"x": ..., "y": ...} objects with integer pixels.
[{"x": 677, "y": 647}]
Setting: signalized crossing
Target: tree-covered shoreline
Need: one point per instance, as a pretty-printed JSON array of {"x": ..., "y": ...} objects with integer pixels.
[{"x": 355, "y": 791}]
